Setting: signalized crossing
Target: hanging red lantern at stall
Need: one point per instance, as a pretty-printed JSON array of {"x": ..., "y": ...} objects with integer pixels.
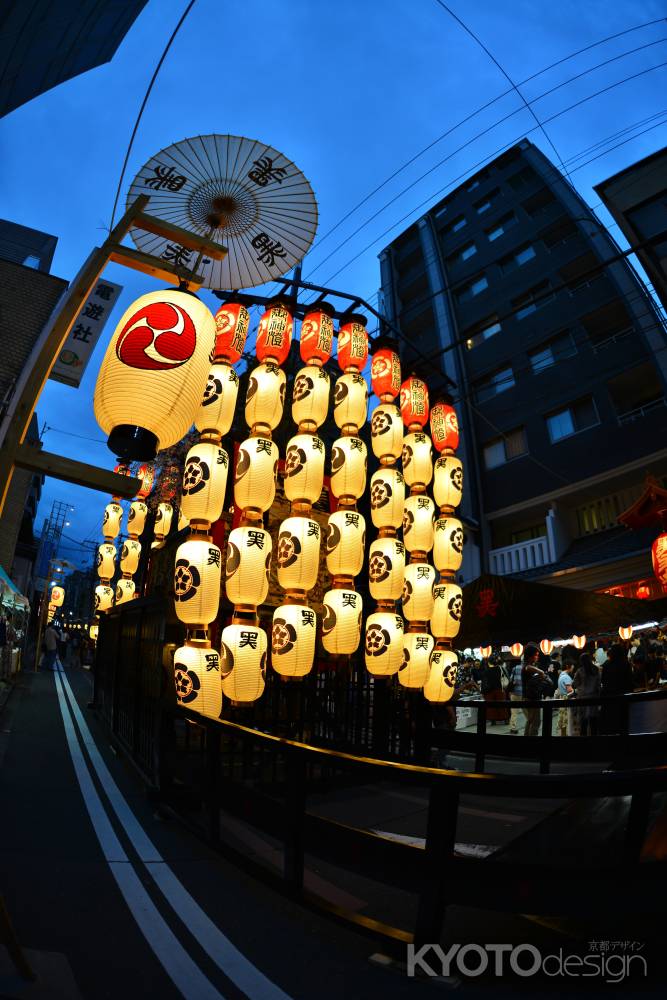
[
  {"x": 414, "y": 403},
  {"x": 643, "y": 591},
  {"x": 146, "y": 473},
  {"x": 546, "y": 645},
  {"x": 274, "y": 334},
  {"x": 444, "y": 427},
  {"x": 316, "y": 341},
  {"x": 578, "y": 641},
  {"x": 386, "y": 372},
  {"x": 516, "y": 649},
  {"x": 485, "y": 651},
  {"x": 625, "y": 631},
  {"x": 353, "y": 344},
  {"x": 231, "y": 329},
  {"x": 659, "y": 558}
]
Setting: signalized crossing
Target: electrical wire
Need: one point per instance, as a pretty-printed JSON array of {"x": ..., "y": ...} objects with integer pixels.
[{"x": 82, "y": 437}]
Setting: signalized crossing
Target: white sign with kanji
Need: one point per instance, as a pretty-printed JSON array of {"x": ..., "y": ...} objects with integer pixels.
[{"x": 85, "y": 333}]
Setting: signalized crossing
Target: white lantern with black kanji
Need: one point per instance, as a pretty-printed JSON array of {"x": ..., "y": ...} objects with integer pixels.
[
  {"x": 447, "y": 610},
  {"x": 350, "y": 401},
  {"x": 386, "y": 565},
  {"x": 387, "y": 497},
  {"x": 341, "y": 625},
  {"x": 293, "y": 640},
  {"x": 448, "y": 547},
  {"x": 417, "y": 459},
  {"x": 346, "y": 539},
  {"x": 441, "y": 683},
  {"x": 265, "y": 397},
  {"x": 104, "y": 595},
  {"x": 298, "y": 553},
  {"x": 197, "y": 680},
  {"x": 310, "y": 397},
  {"x": 255, "y": 474},
  {"x": 204, "y": 482},
  {"x": 418, "y": 523},
  {"x": 304, "y": 468},
  {"x": 448, "y": 482},
  {"x": 243, "y": 657},
  {"x": 216, "y": 413},
  {"x": 163, "y": 518},
  {"x": 106, "y": 560},
  {"x": 248, "y": 566},
  {"x": 113, "y": 513},
  {"x": 417, "y": 596},
  {"x": 129, "y": 556},
  {"x": 197, "y": 574},
  {"x": 383, "y": 647},
  {"x": 387, "y": 433},
  {"x": 125, "y": 590},
  {"x": 348, "y": 468},
  {"x": 136, "y": 518},
  {"x": 417, "y": 649}
]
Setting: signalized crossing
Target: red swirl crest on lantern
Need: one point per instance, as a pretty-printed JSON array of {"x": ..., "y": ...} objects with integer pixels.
[
  {"x": 316, "y": 337},
  {"x": 386, "y": 374},
  {"x": 659, "y": 558},
  {"x": 414, "y": 402},
  {"x": 158, "y": 337},
  {"x": 146, "y": 473},
  {"x": 444, "y": 427},
  {"x": 231, "y": 329},
  {"x": 274, "y": 334},
  {"x": 352, "y": 346}
]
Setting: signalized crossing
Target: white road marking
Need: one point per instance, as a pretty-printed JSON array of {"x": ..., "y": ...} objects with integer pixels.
[{"x": 468, "y": 850}]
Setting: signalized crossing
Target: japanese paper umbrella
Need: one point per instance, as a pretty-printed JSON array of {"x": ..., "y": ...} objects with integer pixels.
[{"x": 241, "y": 193}]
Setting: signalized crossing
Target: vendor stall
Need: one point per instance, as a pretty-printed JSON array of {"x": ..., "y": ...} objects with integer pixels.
[{"x": 14, "y": 611}]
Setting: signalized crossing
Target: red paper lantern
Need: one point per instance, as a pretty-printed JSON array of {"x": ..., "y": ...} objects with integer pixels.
[
  {"x": 386, "y": 374},
  {"x": 414, "y": 403},
  {"x": 274, "y": 334},
  {"x": 444, "y": 427},
  {"x": 516, "y": 649},
  {"x": 643, "y": 591},
  {"x": 353, "y": 344},
  {"x": 578, "y": 641},
  {"x": 485, "y": 651},
  {"x": 659, "y": 557},
  {"x": 546, "y": 646},
  {"x": 316, "y": 336},
  {"x": 146, "y": 473},
  {"x": 231, "y": 329},
  {"x": 625, "y": 631}
]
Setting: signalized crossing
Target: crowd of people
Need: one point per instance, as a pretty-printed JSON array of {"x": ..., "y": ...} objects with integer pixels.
[{"x": 59, "y": 645}]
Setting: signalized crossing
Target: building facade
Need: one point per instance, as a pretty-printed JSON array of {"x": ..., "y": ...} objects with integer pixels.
[{"x": 513, "y": 288}]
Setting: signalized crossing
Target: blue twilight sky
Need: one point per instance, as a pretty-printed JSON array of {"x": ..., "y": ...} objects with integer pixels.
[{"x": 348, "y": 90}]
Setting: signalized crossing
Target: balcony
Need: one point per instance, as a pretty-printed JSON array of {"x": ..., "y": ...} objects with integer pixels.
[
  {"x": 641, "y": 411},
  {"x": 522, "y": 556}
]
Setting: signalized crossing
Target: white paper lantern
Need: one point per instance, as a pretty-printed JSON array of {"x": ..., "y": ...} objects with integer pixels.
[
  {"x": 248, "y": 566},
  {"x": 447, "y": 610},
  {"x": 197, "y": 581},
  {"x": 163, "y": 516},
  {"x": 386, "y": 565},
  {"x": 310, "y": 397},
  {"x": 57, "y": 597},
  {"x": 113, "y": 513},
  {"x": 341, "y": 625},
  {"x": 154, "y": 373},
  {"x": 383, "y": 648},
  {"x": 350, "y": 401},
  {"x": 265, "y": 397},
  {"x": 124, "y": 590},
  {"x": 418, "y": 523},
  {"x": 255, "y": 475},
  {"x": 417, "y": 596},
  {"x": 136, "y": 518},
  {"x": 298, "y": 553},
  {"x": 106, "y": 560},
  {"x": 204, "y": 482},
  {"x": 348, "y": 467},
  {"x": 387, "y": 432},
  {"x": 416, "y": 665},
  {"x": 183, "y": 521},
  {"x": 304, "y": 468},
  {"x": 243, "y": 662},
  {"x": 94, "y": 632},
  {"x": 387, "y": 496},
  {"x": 104, "y": 595},
  {"x": 293, "y": 640},
  {"x": 448, "y": 482},
  {"x": 417, "y": 459},
  {"x": 129, "y": 556},
  {"x": 216, "y": 413},
  {"x": 448, "y": 547},
  {"x": 346, "y": 539},
  {"x": 197, "y": 679},
  {"x": 441, "y": 683}
]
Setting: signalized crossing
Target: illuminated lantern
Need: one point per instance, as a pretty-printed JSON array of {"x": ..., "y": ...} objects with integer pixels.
[
  {"x": 418, "y": 523},
  {"x": 386, "y": 374},
  {"x": 416, "y": 665},
  {"x": 293, "y": 640},
  {"x": 197, "y": 581},
  {"x": 124, "y": 590},
  {"x": 274, "y": 334},
  {"x": 316, "y": 341},
  {"x": 129, "y": 556},
  {"x": 197, "y": 679},
  {"x": 113, "y": 513},
  {"x": 106, "y": 560},
  {"x": 350, "y": 402},
  {"x": 346, "y": 538},
  {"x": 231, "y": 329},
  {"x": 625, "y": 632},
  {"x": 146, "y": 473},
  {"x": 417, "y": 594},
  {"x": 255, "y": 474},
  {"x": 93, "y": 632},
  {"x": 136, "y": 518},
  {"x": 448, "y": 546},
  {"x": 248, "y": 566},
  {"x": 216, "y": 412},
  {"x": 387, "y": 496},
  {"x": 485, "y": 651},
  {"x": 163, "y": 517},
  {"x": 383, "y": 647},
  {"x": 417, "y": 462},
  {"x": 204, "y": 483},
  {"x": 444, "y": 427},
  {"x": 182, "y": 521},
  {"x": 353, "y": 344},
  {"x": 643, "y": 592},
  {"x": 310, "y": 398},
  {"x": 448, "y": 482},
  {"x": 243, "y": 662},
  {"x": 304, "y": 468},
  {"x": 447, "y": 610},
  {"x": 265, "y": 397},
  {"x": 578, "y": 641},
  {"x": 516, "y": 649},
  {"x": 386, "y": 564},
  {"x": 57, "y": 597},
  {"x": 387, "y": 433},
  {"x": 441, "y": 683},
  {"x": 104, "y": 595},
  {"x": 414, "y": 403},
  {"x": 546, "y": 646},
  {"x": 341, "y": 625},
  {"x": 298, "y": 554},
  {"x": 153, "y": 374},
  {"x": 348, "y": 468},
  {"x": 659, "y": 558}
]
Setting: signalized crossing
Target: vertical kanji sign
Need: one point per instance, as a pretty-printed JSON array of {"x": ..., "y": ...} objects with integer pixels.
[{"x": 85, "y": 333}]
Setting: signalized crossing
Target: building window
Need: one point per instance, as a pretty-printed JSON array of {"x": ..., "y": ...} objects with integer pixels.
[
  {"x": 477, "y": 334},
  {"x": 559, "y": 233},
  {"x": 581, "y": 271},
  {"x": 32, "y": 261},
  {"x": 511, "y": 445},
  {"x": 575, "y": 417},
  {"x": 517, "y": 258},
  {"x": 538, "y": 202},
  {"x": 521, "y": 179},
  {"x": 475, "y": 181},
  {"x": 556, "y": 349},
  {"x": 455, "y": 226},
  {"x": 533, "y": 299},
  {"x": 473, "y": 184},
  {"x": 486, "y": 203},
  {"x": 472, "y": 289},
  {"x": 529, "y": 534},
  {"x": 493, "y": 385},
  {"x": 465, "y": 252},
  {"x": 501, "y": 226}
]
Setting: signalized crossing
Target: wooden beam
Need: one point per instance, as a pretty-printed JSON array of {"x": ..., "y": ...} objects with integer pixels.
[
  {"x": 155, "y": 266},
  {"x": 35, "y": 460},
  {"x": 180, "y": 236}
]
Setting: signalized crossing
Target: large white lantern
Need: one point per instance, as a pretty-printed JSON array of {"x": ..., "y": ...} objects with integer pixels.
[
  {"x": 255, "y": 475},
  {"x": 387, "y": 496},
  {"x": 129, "y": 556},
  {"x": 346, "y": 539},
  {"x": 248, "y": 566},
  {"x": 113, "y": 513},
  {"x": 348, "y": 468},
  {"x": 57, "y": 597},
  {"x": 104, "y": 595},
  {"x": 216, "y": 413},
  {"x": 383, "y": 651},
  {"x": 310, "y": 398},
  {"x": 441, "y": 683},
  {"x": 298, "y": 553},
  {"x": 341, "y": 626},
  {"x": 163, "y": 517},
  {"x": 204, "y": 482},
  {"x": 448, "y": 482},
  {"x": 448, "y": 547},
  {"x": 243, "y": 662},
  {"x": 106, "y": 560},
  {"x": 417, "y": 595},
  {"x": 417, "y": 459},
  {"x": 387, "y": 433},
  {"x": 197, "y": 581},
  {"x": 293, "y": 640},
  {"x": 154, "y": 373},
  {"x": 125, "y": 590},
  {"x": 350, "y": 401},
  {"x": 418, "y": 523},
  {"x": 447, "y": 610},
  {"x": 386, "y": 564},
  {"x": 136, "y": 518},
  {"x": 197, "y": 679},
  {"x": 417, "y": 649},
  {"x": 265, "y": 397},
  {"x": 304, "y": 468}
]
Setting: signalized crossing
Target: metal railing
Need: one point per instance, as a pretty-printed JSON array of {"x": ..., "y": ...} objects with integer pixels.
[
  {"x": 521, "y": 556},
  {"x": 641, "y": 411}
]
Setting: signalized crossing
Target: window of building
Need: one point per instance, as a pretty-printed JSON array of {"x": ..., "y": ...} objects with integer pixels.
[
  {"x": 528, "y": 534},
  {"x": 538, "y": 202},
  {"x": 465, "y": 252},
  {"x": 554, "y": 350},
  {"x": 571, "y": 419},
  {"x": 455, "y": 226},
  {"x": 517, "y": 258},
  {"x": 522, "y": 179},
  {"x": 607, "y": 324},
  {"x": 473, "y": 288},
  {"x": 482, "y": 331},
  {"x": 533, "y": 299},
  {"x": 504, "y": 449},
  {"x": 473, "y": 184},
  {"x": 32, "y": 261},
  {"x": 637, "y": 392},
  {"x": 501, "y": 226},
  {"x": 486, "y": 203},
  {"x": 475, "y": 181},
  {"x": 581, "y": 271},
  {"x": 493, "y": 385},
  {"x": 506, "y": 159},
  {"x": 560, "y": 232}
]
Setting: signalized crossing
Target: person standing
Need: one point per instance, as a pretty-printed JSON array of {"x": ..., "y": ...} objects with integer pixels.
[
  {"x": 533, "y": 678},
  {"x": 51, "y": 647},
  {"x": 564, "y": 690},
  {"x": 586, "y": 684},
  {"x": 617, "y": 679},
  {"x": 492, "y": 689}
]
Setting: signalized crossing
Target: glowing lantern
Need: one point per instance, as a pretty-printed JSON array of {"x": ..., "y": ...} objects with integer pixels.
[
  {"x": 441, "y": 683},
  {"x": 146, "y": 473},
  {"x": 386, "y": 374},
  {"x": 182, "y": 521},
  {"x": 417, "y": 594},
  {"x": 298, "y": 553},
  {"x": 136, "y": 518},
  {"x": 578, "y": 641},
  {"x": 516, "y": 649},
  {"x": 255, "y": 474},
  {"x": 204, "y": 482},
  {"x": 293, "y": 640},
  {"x": 103, "y": 597},
  {"x": 414, "y": 403},
  {"x": 418, "y": 523},
  {"x": 643, "y": 592},
  {"x": 197, "y": 581},
  {"x": 197, "y": 679},
  {"x": 316, "y": 341},
  {"x": 353, "y": 344},
  {"x": 485, "y": 651},
  {"x": 448, "y": 482},
  {"x": 546, "y": 646},
  {"x": 383, "y": 650},
  {"x": 387, "y": 496},
  {"x": 310, "y": 398},
  {"x": 304, "y": 468},
  {"x": 417, "y": 649},
  {"x": 387, "y": 433},
  {"x": 113, "y": 513},
  {"x": 348, "y": 468},
  {"x": 274, "y": 334},
  {"x": 248, "y": 566},
  {"x": 57, "y": 597},
  {"x": 265, "y": 397},
  {"x": 231, "y": 329},
  {"x": 243, "y": 662},
  {"x": 448, "y": 546},
  {"x": 129, "y": 556},
  {"x": 93, "y": 632},
  {"x": 447, "y": 610},
  {"x": 625, "y": 632},
  {"x": 106, "y": 560},
  {"x": 659, "y": 558},
  {"x": 341, "y": 625},
  {"x": 386, "y": 564},
  {"x": 346, "y": 538},
  {"x": 163, "y": 517},
  {"x": 153, "y": 375},
  {"x": 216, "y": 412},
  {"x": 417, "y": 463},
  {"x": 124, "y": 590},
  {"x": 350, "y": 401},
  {"x": 444, "y": 427}
]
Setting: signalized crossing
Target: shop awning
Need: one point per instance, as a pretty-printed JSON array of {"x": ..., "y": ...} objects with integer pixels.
[{"x": 10, "y": 595}]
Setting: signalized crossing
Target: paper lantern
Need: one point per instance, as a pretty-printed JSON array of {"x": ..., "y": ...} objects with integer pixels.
[
  {"x": 182, "y": 521},
  {"x": 383, "y": 646},
  {"x": 129, "y": 556},
  {"x": 447, "y": 610},
  {"x": 197, "y": 581},
  {"x": 448, "y": 482},
  {"x": 417, "y": 460},
  {"x": 349, "y": 463},
  {"x": 265, "y": 397},
  {"x": 341, "y": 625},
  {"x": 197, "y": 680},
  {"x": 104, "y": 595},
  {"x": 153, "y": 374},
  {"x": 106, "y": 560},
  {"x": 274, "y": 334},
  {"x": 298, "y": 553},
  {"x": 255, "y": 474},
  {"x": 418, "y": 523},
  {"x": 316, "y": 340},
  {"x": 293, "y": 640},
  {"x": 387, "y": 497},
  {"x": 417, "y": 593},
  {"x": 216, "y": 411},
  {"x": 93, "y": 632},
  {"x": 485, "y": 651},
  {"x": 546, "y": 645},
  {"x": 146, "y": 473},
  {"x": 578, "y": 641},
  {"x": 448, "y": 544},
  {"x": 136, "y": 518},
  {"x": 113, "y": 512},
  {"x": 350, "y": 401},
  {"x": 310, "y": 397},
  {"x": 625, "y": 632},
  {"x": 346, "y": 539},
  {"x": 243, "y": 662},
  {"x": 416, "y": 665},
  {"x": 204, "y": 482},
  {"x": 387, "y": 433},
  {"x": 353, "y": 344},
  {"x": 304, "y": 468},
  {"x": 643, "y": 591},
  {"x": 444, "y": 427},
  {"x": 414, "y": 403},
  {"x": 163, "y": 516},
  {"x": 124, "y": 590},
  {"x": 659, "y": 558},
  {"x": 231, "y": 329},
  {"x": 386, "y": 374},
  {"x": 57, "y": 597},
  {"x": 516, "y": 649},
  {"x": 441, "y": 683},
  {"x": 386, "y": 564},
  {"x": 248, "y": 566}
]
